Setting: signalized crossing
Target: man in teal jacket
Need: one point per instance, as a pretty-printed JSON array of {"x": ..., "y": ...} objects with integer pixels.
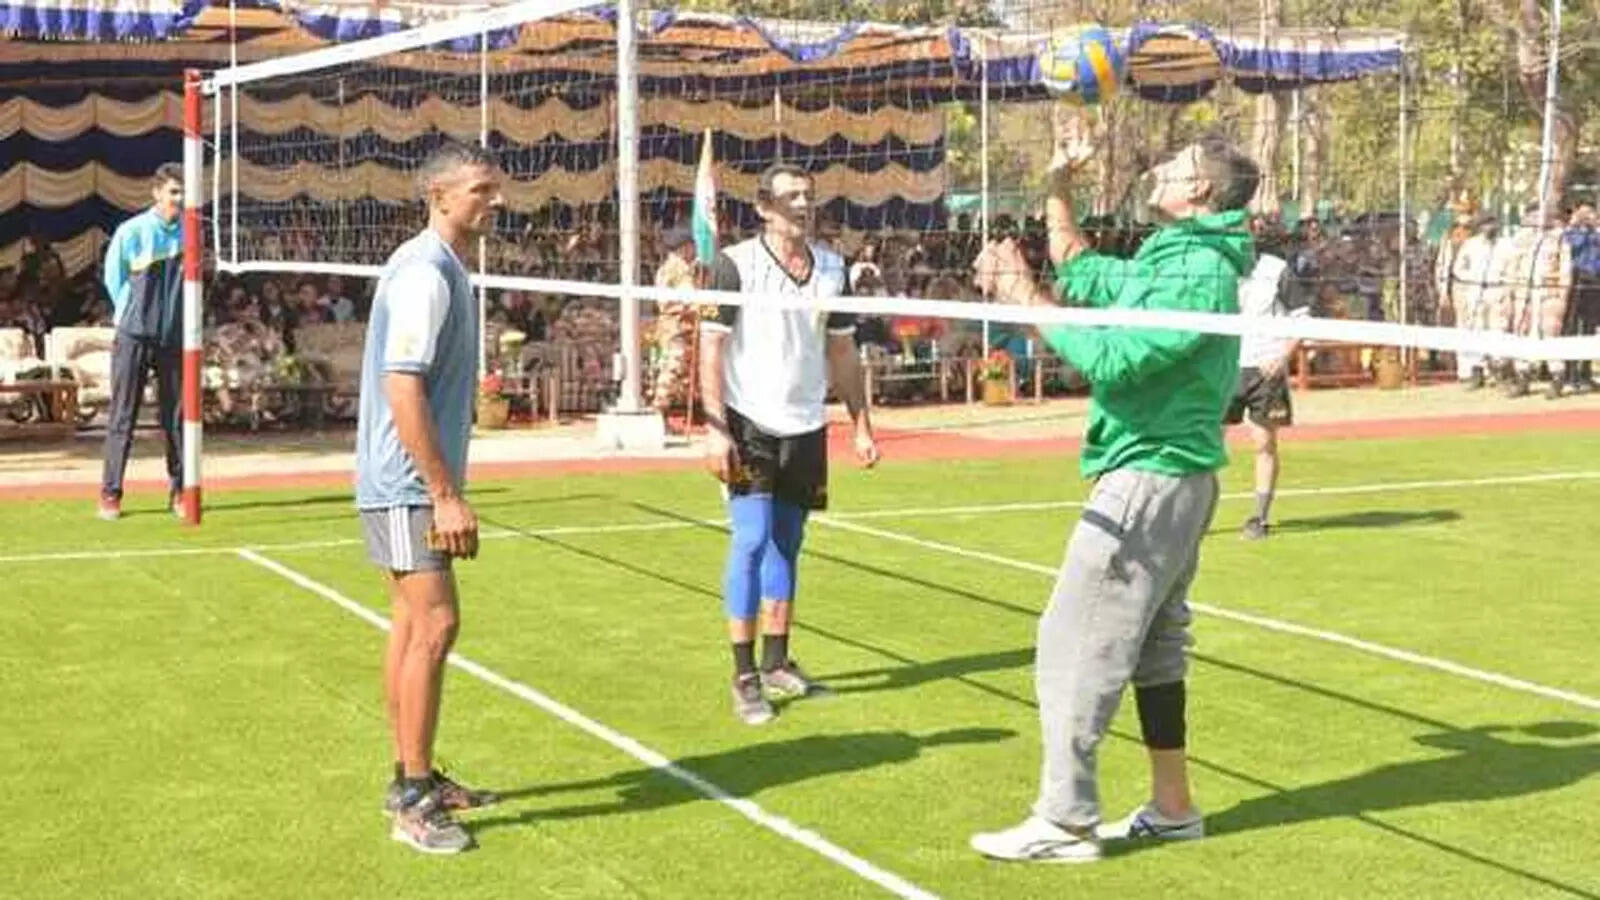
[
  {"x": 144, "y": 277},
  {"x": 1119, "y": 609}
]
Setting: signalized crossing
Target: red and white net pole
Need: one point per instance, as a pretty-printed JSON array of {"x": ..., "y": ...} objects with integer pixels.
[{"x": 193, "y": 261}]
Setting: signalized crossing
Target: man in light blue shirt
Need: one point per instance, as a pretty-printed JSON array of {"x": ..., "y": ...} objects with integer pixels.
[
  {"x": 144, "y": 278},
  {"x": 418, "y": 382}
]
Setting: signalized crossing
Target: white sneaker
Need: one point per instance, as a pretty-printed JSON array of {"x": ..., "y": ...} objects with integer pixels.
[
  {"x": 1037, "y": 840},
  {"x": 1148, "y": 822}
]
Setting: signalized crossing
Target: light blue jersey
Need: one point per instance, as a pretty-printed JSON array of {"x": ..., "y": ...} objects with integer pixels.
[{"x": 424, "y": 321}]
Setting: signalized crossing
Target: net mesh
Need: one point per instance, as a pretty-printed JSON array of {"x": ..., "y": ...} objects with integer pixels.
[{"x": 928, "y": 136}]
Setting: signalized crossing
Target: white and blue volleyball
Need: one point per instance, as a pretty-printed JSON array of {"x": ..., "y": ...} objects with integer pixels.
[{"x": 1082, "y": 63}]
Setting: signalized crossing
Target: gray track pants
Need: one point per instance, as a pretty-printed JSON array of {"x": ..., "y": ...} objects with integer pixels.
[{"x": 1119, "y": 613}]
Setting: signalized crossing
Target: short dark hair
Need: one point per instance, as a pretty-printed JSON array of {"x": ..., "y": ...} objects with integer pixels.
[
  {"x": 167, "y": 172},
  {"x": 449, "y": 156},
  {"x": 1233, "y": 175},
  {"x": 770, "y": 176}
]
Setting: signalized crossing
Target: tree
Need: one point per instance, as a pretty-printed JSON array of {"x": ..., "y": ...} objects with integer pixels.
[{"x": 1267, "y": 133}]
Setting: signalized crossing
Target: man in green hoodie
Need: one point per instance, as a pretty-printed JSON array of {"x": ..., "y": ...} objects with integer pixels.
[{"x": 1119, "y": 609}]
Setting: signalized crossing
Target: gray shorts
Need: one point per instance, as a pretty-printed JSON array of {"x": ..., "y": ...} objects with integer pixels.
[{"x": 397, "y": 539}]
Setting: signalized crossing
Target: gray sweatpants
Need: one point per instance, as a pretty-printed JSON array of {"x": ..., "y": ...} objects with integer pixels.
[{"x": 1119, "y": 613}]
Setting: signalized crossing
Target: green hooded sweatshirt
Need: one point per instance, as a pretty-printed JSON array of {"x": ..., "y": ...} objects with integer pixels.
[{"x": 1158, "y": 395}]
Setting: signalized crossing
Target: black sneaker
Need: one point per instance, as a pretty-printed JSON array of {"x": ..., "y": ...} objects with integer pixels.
[
  {"x": 455, "y": 795},
  {"x": 426, "y": 826},
  {"x": 1254, "y": 529}
]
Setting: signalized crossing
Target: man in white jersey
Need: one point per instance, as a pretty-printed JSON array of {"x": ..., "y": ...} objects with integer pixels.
[
  {"x": 765, "y": 373},
  {"x": 1263, "y": 392},
  {"x": 418, "y": 380}
]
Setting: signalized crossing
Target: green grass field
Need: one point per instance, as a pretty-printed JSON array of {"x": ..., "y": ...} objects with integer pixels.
[{"x": 205, "y": 725}]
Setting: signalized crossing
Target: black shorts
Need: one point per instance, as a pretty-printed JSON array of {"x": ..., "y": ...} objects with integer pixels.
[
  {"x": 1265, "y": 399},
  {"x": 793, "y": 469}
]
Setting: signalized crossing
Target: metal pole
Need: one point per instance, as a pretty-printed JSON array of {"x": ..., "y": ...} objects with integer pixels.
[
  {"x": 233, "y": 136},
  {"x": 193, "y": 172},
  {"x": 983, "y": 159},
  {"x": 628, "y": 202},
  {"x": 216, "y": 177},
  {"x": 1405, "y": 196},
  {"x": 1547, "y": 139},
  {"x": 339, "y": 136},
  {"x": 483, "y": 241}
]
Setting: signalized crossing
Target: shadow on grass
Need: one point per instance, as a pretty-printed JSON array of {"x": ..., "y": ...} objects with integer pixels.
[
  {"x": 347, "y": 500},
  {"x": 1483, "y": 764},
  {"x": 1481, "y": 757},
  {"x": 742, "y": 771},
  {"x": 1377, "y": 518}
]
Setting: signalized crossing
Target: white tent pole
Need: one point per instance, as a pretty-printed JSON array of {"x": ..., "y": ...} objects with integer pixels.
[
  {"x": 483, "y": 241},
  {"x": 233, "y": 136},
  {"x": 628, "y": 202},
  {"x": 983, "y": 158},
  {"x": 1547, "y": 138},
  {"x": 1405, "y": 195}
]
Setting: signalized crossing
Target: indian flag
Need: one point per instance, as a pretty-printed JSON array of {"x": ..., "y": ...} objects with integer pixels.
[{"x": 703, "y": 215}]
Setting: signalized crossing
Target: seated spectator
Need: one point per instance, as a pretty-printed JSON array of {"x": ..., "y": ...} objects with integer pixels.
[
  {"x": 311, "y": 307},
  {"x": 340, "y": 307},
  {"x": 37, "y": 255}
]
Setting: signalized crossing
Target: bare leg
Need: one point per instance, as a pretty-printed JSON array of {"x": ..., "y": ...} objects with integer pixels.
[
  {"x": 430, "y": 601},
  {"x": 1266, "y": 442},
  {"x": 1169, "y": 780},
  {"x": 394, "y": 658}
]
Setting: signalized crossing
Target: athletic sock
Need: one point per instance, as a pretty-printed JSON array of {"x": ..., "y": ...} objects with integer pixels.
[
  {"x": 774, "y": 651},
  {"x": 414, "y": 789},
  {"x": 1263, "y": 504},
  {"x": 744, "y": 658}
]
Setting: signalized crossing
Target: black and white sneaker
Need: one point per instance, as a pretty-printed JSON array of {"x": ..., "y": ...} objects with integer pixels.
[
  {"x": 1254, "y": 529},
  {"x": 1148, "y": 822}
]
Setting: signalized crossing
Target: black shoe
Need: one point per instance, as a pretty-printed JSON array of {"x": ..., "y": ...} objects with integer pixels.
[{"x": 1254, "y": 529}]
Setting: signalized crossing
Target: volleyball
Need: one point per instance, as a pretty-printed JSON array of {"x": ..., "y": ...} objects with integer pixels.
[{"x": 1082, "y": 63}]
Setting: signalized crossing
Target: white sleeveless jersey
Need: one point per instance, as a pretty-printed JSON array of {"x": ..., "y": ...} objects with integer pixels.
[{"x": 775, "y": 363}]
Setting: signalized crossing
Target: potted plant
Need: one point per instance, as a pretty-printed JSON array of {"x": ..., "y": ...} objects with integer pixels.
[
  {"x": 494, "y": 407},
  {"x": 994, "y": 376}
]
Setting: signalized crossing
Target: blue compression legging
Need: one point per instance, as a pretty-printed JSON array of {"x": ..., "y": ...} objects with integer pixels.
[{"x": 763, "y": 555}]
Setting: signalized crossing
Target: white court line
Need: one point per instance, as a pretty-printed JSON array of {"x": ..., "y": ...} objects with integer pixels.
[
  {"x": 1377, "y": 488},
  {"x": 1332, "y": 637},
  {"x": 679, "y": 525},
  {"x": 811, "y": 840},
  {"x": 498, "y": 534}
]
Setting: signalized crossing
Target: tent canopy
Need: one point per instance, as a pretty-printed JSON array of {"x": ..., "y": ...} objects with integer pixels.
[
  {"x": 1175, "y": 63},
  {"x": 87, "y": 102}
]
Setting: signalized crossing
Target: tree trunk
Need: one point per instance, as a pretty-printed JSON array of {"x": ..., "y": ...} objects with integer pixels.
[
  {"x": 1314, "y": 157},
  {"x": 1267, "y": 131},
  {"x": 1532, "y": 66}
]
